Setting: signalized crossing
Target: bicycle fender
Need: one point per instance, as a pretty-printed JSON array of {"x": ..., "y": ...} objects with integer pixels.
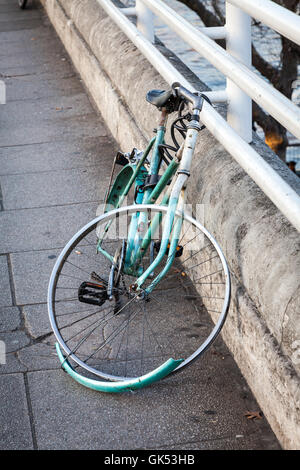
[
  {"x": 121, "y": 386},
  {"x": 118, "y": 187},
  {"x": 118, "y": 190}
]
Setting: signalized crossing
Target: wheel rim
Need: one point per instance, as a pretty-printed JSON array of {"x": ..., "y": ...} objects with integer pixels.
[{"x": 204, "y": 343}]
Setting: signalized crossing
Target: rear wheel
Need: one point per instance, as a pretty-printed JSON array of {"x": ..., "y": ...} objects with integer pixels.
[{"x": 109, "y": 329}]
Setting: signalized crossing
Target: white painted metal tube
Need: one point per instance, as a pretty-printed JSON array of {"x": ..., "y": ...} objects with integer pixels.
[
  {"x": 145, "y": 20},
  {"x": 274, "y": 102},
  {"x": 214, "y": 32},
  {"x": 130, "y": 11},
  {"x": 273, "y": 15},
  {"x": 280, "y": 193},
  {"x": 216, "y": 96},
  {"x": 159, "y": 62},
  {"x": 238, "y": 45},
  {"x": 270, "y": 182}
]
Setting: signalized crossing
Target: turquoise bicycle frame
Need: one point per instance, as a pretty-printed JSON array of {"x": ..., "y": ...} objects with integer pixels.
[{"x": 137, "y": 240}]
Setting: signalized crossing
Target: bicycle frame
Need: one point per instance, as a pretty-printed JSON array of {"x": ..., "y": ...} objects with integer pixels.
[
  {"x": 172, "y": 224},
  {"x": 174, "y": 198},
  {"x": 123, "y": 279},
  {"x": 138, "y": 242}
]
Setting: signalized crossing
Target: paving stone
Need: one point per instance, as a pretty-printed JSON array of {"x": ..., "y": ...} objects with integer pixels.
[
  {"x": 42, "y": 71},
  {"x": 38, "y": 357},
  {"x": 54, "y": 188},
  {"x": 6, "y": 7},
  {"x": 42, "y": 228},
  {"x": 22, "y": 58},
  {"x": 64, "y": 127},
  {"x": 12, "y": 364},
  {"x": 36, "y": 317},
  {"x": 14, "y": 340},
  {"x": 50, "y": 119},
  {"x": 19, "y": 25},
  {"x": 58, "y": 155},
  {"x": 168, "y": 414},
  {"x": 23, "y": 35},
  {"x": 31, "y": 271},
  {"x": 15, "y": 431},
  {"x": 5, "y": 292},
  {"x": 9, "y": 318},
  {"x": 54, "y": 108},
  {"x": 40, "y": 45},
  {"x": 8, "y": 16},
  {"x": 25, "y": 88}
]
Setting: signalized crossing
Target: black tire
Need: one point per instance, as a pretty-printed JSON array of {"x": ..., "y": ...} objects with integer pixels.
[{"x": 22, "y": 4}]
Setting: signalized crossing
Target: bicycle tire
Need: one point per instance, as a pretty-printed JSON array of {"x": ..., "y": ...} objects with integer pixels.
[{"x": 182, "y": 328}]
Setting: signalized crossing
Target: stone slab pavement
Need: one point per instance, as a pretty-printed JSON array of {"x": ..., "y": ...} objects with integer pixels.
[{"x": 55, "y": 160}]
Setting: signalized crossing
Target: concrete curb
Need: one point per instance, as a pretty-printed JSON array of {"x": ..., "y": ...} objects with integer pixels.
[{"x": 263, "y": 328}]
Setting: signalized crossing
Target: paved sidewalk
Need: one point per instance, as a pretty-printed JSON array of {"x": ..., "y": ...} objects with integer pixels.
[{"x": 55, "y": 161}]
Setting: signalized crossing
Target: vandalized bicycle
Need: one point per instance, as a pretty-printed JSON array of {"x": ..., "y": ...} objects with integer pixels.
[{"x": 132, "y": 294}]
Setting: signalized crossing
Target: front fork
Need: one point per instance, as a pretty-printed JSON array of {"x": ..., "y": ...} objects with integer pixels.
[
  {"x": 174, "y": 217},
  {"x": 170, "y": 238}
]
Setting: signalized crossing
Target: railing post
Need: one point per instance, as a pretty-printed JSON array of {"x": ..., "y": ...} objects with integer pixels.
[
  {"x": 2, "y": 92},
  {"x": 145, "y": 20},
  {"x": 238, "y": 44}
]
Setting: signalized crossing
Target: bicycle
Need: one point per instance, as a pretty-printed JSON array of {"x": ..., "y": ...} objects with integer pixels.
[
  {"x": 22, "y": 4},
  {"x": 130, "y": 293}
]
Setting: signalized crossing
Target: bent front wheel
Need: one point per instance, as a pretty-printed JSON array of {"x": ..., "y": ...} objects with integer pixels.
[{"x": 106, "y": 327}]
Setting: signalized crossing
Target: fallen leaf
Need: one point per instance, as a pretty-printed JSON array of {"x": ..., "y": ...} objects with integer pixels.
[{"x": 253, "y": 414}]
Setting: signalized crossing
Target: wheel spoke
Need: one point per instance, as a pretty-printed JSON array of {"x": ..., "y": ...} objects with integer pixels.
[{"x": 133, "y": 333}]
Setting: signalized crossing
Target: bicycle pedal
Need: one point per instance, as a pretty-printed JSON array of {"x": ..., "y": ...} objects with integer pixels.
[{"x": 91, "y": 293}]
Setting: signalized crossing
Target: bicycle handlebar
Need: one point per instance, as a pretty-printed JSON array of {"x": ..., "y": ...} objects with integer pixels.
[{"x": 195, "y": 99}]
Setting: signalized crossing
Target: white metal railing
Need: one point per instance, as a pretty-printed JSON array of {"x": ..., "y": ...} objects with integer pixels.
[{"x": 242, "y": 83}]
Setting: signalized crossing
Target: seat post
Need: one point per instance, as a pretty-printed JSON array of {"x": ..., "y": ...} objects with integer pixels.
[{"x": 163, "y": 117}]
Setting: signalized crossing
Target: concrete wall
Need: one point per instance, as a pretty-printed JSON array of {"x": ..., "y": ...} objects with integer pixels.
[{"x": 262, "y": 248}]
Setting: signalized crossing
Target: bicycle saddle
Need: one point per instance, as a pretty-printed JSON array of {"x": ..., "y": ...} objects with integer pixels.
[{"x": 158, "y": 98}]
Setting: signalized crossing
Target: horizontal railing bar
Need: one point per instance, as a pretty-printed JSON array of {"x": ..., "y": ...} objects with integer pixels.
[
  {"x": 273, "y": 15},
  {"x": 217, "y": 96},
  {"x": 169, "y": 73},
  {"x": 274, "y": 102},
  {"x": 214, "y": 32},
  {"x": 269, "y": 181},
  {"x": 280, "y": 193},
  {"x": 130, "y": 11}
]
